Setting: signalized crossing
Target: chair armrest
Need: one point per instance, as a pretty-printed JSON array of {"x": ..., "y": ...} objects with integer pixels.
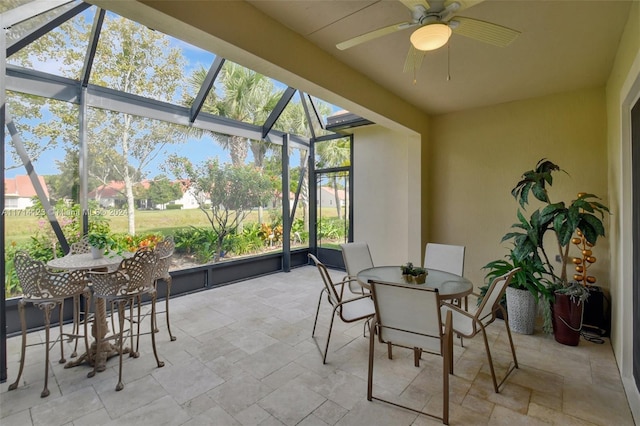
[
  {"x": 456, "y": 309},
  {"x": 367, "y": 296}
]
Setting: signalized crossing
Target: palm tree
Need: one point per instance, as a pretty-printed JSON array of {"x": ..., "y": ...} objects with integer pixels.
[
  {"x": 334, "y": 153},
  {"x": 244, "y": 95}
]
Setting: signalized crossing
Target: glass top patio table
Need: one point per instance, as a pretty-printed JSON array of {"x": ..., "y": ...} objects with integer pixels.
[{"x": 450, "y": 286}]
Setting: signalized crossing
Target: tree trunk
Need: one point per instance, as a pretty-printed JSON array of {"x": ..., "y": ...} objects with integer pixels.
[
  {"x": 238, "y": 150},
  {"x": 128, "y": 184},
  {"x": 337, "y": 196}
]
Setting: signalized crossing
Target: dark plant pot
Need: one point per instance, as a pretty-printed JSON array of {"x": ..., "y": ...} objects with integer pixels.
[
  {"x": 566, "y": 320},
  {"x": 499, "y": 313}
]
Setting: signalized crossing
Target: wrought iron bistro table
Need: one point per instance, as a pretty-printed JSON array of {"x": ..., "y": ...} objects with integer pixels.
[
  {"x": 450, "y": 286},
  {"x": 86, "y": 262}
]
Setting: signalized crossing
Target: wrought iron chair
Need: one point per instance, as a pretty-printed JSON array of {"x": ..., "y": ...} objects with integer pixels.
[
  {"x": 410, "y": 317},
  {"x": 357, "y": 257},
  {"x": 80, "y": 246},
  {"x": 164, "y": 252},
  {"x": 469, "y": 324},
  {"x": 133, "y": 279},
  {"x": 48, "y": 290},
  {"x": 349, "y": 310}
]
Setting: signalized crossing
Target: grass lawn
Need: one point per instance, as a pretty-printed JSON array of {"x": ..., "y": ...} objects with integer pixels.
[{"x": 19, "y": 227}]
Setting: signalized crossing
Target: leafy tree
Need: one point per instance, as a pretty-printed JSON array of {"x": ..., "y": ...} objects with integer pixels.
[
  {"x": 225, "y": 193},
  {"x": 134, "y": 59},
  {"x": 334, "y": 153},
  {"x": 129, "y": 58},
  {"x": 162, "y": 190}
]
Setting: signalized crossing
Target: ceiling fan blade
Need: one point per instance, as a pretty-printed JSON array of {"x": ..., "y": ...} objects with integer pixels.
[
  {"x": 414, "y": 59},
  {"x": 374, "y": 34},
  {"x": 483, "y": 31},
  {"x": 464, "y": 4},
  {"x": 411, "y": 3}
]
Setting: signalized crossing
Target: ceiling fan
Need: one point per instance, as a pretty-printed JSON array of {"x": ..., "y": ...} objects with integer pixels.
[{"x": 435, "y": 21}]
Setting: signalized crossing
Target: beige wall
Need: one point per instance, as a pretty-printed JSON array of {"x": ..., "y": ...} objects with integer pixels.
[
  {"x": 387, "y": 192},
  {"x": 478, "y": 156},
  {"x": 623, "y": 89}
]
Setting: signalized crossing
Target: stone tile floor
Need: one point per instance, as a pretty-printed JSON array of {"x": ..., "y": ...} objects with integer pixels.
[{"x": 245, "y": 356}]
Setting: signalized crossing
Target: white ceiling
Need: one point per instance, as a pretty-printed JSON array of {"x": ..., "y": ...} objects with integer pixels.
[{"x": 564, "y": 46}]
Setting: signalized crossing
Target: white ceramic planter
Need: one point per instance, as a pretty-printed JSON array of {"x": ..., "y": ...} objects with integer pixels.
[
  {"x": 97, "y": 253},
  {"x": 521, "y": 310}
]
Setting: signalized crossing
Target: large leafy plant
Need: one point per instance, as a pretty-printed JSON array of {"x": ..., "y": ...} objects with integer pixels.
[
  {"x": 583, "y": 214},
  {"x": 530, "y": 276}
]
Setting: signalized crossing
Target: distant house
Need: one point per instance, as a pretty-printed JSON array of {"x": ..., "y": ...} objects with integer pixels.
[
  {"x": 19, "y": 192},
  {"x": 326, "y": 197},
  {"x": 112, "y": 195},
  {"x": 188, "y": 199}
]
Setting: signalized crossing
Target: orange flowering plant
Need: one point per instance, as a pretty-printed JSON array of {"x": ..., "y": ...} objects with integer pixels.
[{"x": 134, "y": 242}]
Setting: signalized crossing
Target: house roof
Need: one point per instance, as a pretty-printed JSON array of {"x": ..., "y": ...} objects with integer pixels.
[
  {"x": 114, "y": 189},
  {"x": 21, "y": 187}
]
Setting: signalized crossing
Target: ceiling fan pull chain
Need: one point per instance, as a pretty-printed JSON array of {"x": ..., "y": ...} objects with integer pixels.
[{"x": 448, "y": 61}]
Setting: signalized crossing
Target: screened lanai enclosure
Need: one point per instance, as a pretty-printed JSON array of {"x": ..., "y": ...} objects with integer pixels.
[{"x": 112, "y": 127}]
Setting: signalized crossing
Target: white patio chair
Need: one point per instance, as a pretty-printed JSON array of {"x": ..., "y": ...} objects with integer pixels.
[
  {"x": 410, "y": 317},
  {"x": 469, "y": 324},
  {"x": 445, "y": 257},
  {"x": 357, "y": 257},
  {"x": 349, "y": 310}
]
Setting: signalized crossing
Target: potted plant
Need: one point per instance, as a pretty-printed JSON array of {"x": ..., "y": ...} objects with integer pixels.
[
  {"x": 524, "y": 291},
  {"x": 563, "y": 220},
  {"x": 412, "y": 273},
  {"x": 101, "y": 243}
]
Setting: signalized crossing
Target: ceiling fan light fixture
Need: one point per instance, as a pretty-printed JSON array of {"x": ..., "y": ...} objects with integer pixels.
[{"x": 431, "y": 36}]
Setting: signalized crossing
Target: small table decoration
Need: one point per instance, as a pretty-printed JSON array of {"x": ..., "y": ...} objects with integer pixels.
[{"x": 413, "y": 274}]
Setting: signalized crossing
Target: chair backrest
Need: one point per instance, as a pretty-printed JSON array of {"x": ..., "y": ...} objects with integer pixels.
[
  {"x": 164, "y": 251},
  {"x": 81, "y": 246},
  {"x": 357, "y": 257},
  {"x": 133, "y": 276},
  {"x": 334, "y": 297},
  {"x": 445, "y": 257},
  {"x": 38, "y": 282},
  {"x": 408, "y": 316},
  {"x": 492, "y": 297}
]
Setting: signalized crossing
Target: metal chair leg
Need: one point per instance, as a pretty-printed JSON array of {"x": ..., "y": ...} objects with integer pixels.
[
  {"x": 153, "y": 335},
  {"x": 47, "y": 321},
  {"x": 23, "y": 347},
  {"x": 60, "y": 322},
  {"x": 121, "y": 313},
  {"x": 166, "y": 309},
  {"x": 326, "y": 349},
  {"x": 313, "y": 332}
]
